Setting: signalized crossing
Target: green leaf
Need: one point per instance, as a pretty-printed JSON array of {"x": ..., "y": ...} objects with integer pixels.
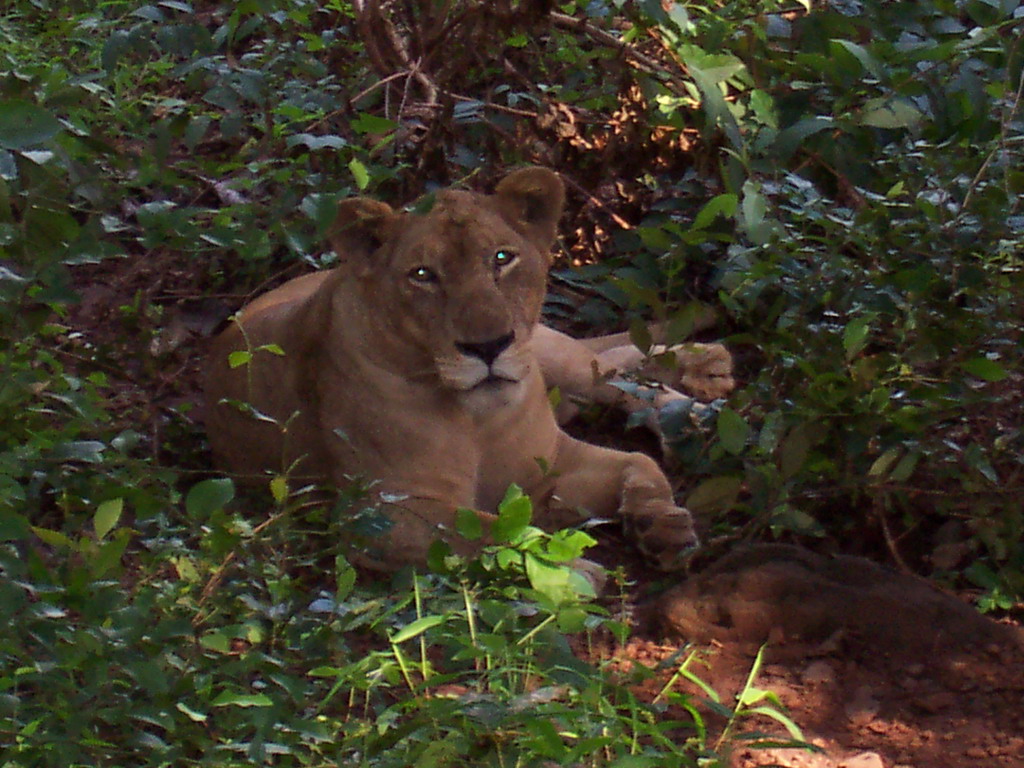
[
  {"x": 905, "y": 468},
  {"x": 23, "y": 124},
  {"x": 985, "y": 369},
  {"x": 733, "y": 431},
  {"x": 795, "y": 448},
  {"x": 716, "y": 494},
  {"x": 367, "y": 123},
  {"x": 886, "y": 112},
  {"x": 468, "y": 524},
  {"x": 232, "y": 699},
  {"x": 566, "y": 545},
  {"x": 314, "y": 143},
  {"x": 552, "y": 581},
  {"x": 513, "y": 518},
  {"x": 216, "y": 641},
  {"x": 859, "y": 52},
  {"x": 723, "y": 205},
  {"x": 640, "y": 334},
  {"x": 238, "y": 358},
  {"x": 855, "y": 335},
  {"x": 193, "y": 715},
  {"x": 208, "y": 496},
  {"x": 279, "y": 488},
  {"x": 106, "y": 517},
  {"x": 786, "y": 517},
  {"x": 881, "y": 466},
  {"x": 756, "y": 223},
  {"x": 344, "y": 578},
  {"x": 976, "y": 460},
  {"x": 790, "y": 139},
  {"x": 417, "y": 628},
  {"x": 54, "y": 538},
  {"x": 359, "y": 173},
  {"x": 108, "y": 556},
  {"x": 88, "y": 451},
  {"x": 13, "y": 526},
  {"x": 572, "y": 619},
  {"x": 780, "y": 717}
]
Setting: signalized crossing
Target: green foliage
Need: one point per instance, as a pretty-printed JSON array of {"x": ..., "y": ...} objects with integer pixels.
[
  {"x": 850, "y": 187},
  {"x": 253, "y": 658},
  {"x": 866, "y": 243}
]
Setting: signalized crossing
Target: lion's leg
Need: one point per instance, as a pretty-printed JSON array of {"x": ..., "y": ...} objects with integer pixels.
[
  {"x": 628, "y": 486},
  {"x": 583, "y": 376},
  {"x": 587, "y": 369},
  {"x": 702, "y": 370}
]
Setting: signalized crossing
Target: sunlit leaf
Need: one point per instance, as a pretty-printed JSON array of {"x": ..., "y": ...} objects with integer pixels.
[
  {"x": 513, "y": 518},
  {"x": 107, "y": 515},
  {"x": 359, "y": 173},
  {"x": 417, "y": 628},
  {"x": 245, "y": 700}
]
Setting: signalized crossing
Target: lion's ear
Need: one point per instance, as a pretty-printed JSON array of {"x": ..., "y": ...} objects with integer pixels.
[
  {"x": 531, "y": 200},
  {"x": 359, "y": 228}
]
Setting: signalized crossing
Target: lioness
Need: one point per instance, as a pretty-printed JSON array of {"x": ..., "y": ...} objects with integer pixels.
[{"x": 419, "y": 363}]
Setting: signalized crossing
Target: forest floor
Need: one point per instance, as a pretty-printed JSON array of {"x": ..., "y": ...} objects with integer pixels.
[{"x": 879, "y": 670}]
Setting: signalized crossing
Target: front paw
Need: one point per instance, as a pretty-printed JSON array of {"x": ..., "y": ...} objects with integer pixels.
[
  {"x": 703, "y": 370},
  {"x": 665, "y": 536}
]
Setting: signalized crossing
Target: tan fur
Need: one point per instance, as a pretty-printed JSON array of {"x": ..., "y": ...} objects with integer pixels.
[{"x": 385, "y": 376}]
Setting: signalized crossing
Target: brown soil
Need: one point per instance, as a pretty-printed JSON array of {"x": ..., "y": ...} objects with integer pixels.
[{"x": 879, "y": 669}]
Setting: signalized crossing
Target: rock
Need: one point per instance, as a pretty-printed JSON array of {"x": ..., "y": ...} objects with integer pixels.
[
  {"x": 773, "y": 591},
  {"x": 934, "y": 703},
  {"x": 863, "y": 760},
  {"x": 818, "y": 673},
  {"x": 863, "y": 707}
]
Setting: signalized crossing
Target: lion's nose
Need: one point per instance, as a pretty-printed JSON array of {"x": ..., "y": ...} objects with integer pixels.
[{"x": 487, "y": 351}]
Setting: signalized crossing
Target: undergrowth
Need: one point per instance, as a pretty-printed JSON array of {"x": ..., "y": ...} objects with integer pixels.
[{"x": 842, "y": 180}]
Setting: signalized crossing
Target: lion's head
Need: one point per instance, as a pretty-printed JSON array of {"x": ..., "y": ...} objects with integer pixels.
[{"x": 459, "y": 289}]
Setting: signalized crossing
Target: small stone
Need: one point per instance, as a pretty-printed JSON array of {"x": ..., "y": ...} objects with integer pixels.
[
  {"x": 818, "y": 673},
  {"x": 863, "y": 708},
  {"x": 936, "y": 702},
  {"x": 863, "y": 760}
]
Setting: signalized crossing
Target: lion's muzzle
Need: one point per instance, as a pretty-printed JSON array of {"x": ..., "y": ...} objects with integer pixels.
[
  {"x": 487, "y": 351},
  {"x": 491, "y": 364}
]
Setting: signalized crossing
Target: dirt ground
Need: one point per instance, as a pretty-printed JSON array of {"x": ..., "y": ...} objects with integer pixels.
[{"x": 879, "y": 669}]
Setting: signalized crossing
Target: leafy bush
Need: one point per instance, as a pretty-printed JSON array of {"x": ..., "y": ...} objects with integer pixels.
[
  {"x": 229, "y": 650},
  {"x": 872, "y": 233},
  {"x": 844, "y": 181}
]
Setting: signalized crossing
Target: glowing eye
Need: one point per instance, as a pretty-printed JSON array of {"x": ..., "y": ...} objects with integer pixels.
[
  {"x": 422, "y": 274},
  {"x": 503, "y": 258}
]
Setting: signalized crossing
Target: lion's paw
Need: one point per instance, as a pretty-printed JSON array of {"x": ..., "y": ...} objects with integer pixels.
[
  {"x": 665, "y": 536},
  {"x": 702, "y": 370}
]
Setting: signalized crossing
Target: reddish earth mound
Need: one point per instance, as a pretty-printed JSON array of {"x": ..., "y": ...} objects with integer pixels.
[{"x": 879, "y": 668}]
